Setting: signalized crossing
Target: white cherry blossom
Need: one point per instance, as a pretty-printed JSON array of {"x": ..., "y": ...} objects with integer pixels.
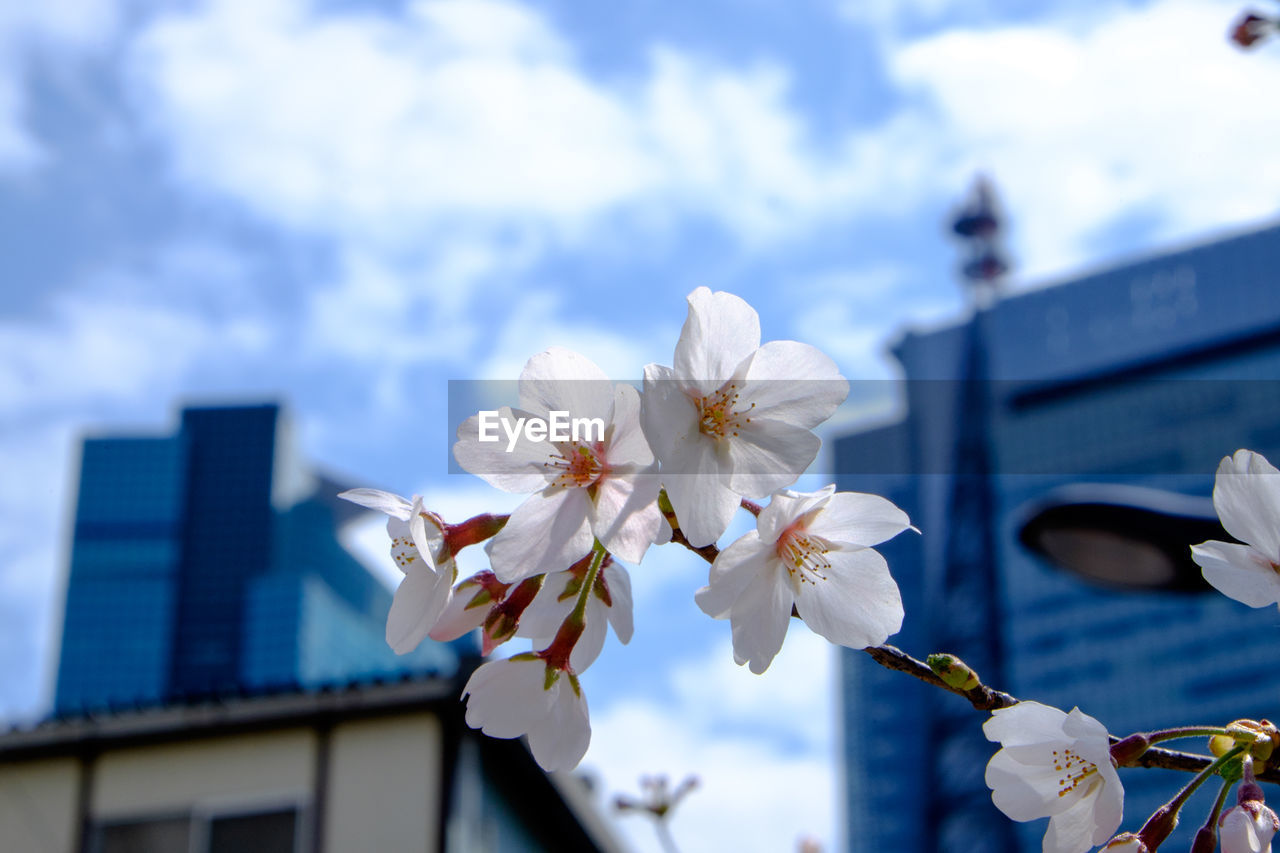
[
  {"x": 732, "y": 418},
  {"x": 525, "y": 695},
  {"x": 1056, "y": 765},
  {"x": 608, "y": 604},
  {"x": 418, "y": 549},
  {"x": 584, "y": 490},
  {"x": 1248, "y": 828},
  {"x": 1246, "y": 494},
  {"x": 811, "y": 550}
]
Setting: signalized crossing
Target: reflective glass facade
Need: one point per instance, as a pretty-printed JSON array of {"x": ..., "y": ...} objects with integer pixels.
[
  {"x": 208, "y": 562},
  {"x": 1144, "y": 374}
]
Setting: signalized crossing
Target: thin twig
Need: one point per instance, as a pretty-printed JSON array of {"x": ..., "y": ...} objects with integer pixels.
[{"x": 982, "y": 697}]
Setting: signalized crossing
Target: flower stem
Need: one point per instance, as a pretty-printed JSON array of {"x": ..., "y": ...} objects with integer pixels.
[
  {"x": 557, "y": 654},
  {"x": 1185, "y": 731},
  {"x": 598, "y": 553},
  {"x": 1162, "y": 822},
  {"x": 1206, "y": 840}
]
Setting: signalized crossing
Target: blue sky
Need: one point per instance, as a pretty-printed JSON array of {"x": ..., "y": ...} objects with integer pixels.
[{"x": 346, "y": 204}]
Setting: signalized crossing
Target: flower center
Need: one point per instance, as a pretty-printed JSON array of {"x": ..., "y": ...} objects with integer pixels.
[
  {"x": 578, "y": 465},
  {"x": 804, "y": 556},
  {"x": 1072, "y": 770},
  {"x": 403, "y": 551},
  {"x": 717, "y": 413}
]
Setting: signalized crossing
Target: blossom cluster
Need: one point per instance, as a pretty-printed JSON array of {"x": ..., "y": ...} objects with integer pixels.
[{"x": 730, "y": 421}]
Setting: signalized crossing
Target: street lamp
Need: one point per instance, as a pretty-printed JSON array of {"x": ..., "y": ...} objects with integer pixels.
[{"x": 1124, "y": 537}]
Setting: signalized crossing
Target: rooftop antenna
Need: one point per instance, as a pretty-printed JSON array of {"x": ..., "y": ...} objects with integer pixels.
[{"x": 978, "y": 225}]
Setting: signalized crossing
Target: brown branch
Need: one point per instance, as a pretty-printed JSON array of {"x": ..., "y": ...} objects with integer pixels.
[
  {"x": 706, "y": 552},
  {"x": 982, "y": 697}
]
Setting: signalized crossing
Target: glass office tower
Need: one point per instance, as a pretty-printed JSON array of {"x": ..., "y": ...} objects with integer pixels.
[
  {"x": 1144, "y": 374},
  {"x": 208, "y": 562}
]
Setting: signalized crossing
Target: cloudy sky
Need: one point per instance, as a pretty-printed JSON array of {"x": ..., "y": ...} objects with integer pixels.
[{"x": 345, "y": 204}]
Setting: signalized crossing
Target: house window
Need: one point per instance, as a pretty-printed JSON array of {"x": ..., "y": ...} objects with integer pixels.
[{"x": 274, "y": 831}]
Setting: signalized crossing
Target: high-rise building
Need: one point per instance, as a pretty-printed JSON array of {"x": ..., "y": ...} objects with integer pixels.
[
  {"x": 1145, "y": 374},
  {"x": 208, "y": 562}
]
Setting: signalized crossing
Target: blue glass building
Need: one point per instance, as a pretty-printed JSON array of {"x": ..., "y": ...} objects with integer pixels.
[
  {"x": 208, "y": 562},
  {"x": 1146, "y": 374}
]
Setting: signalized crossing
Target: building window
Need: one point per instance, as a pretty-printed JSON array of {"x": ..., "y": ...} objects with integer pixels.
[{"x": 274, "y": 831}]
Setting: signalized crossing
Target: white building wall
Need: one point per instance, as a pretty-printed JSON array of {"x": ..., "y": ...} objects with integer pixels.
[
  {"x": 384, "y": 786},
  {"x": 232, "y": 772},
  {"x": 38, "y": 805}
]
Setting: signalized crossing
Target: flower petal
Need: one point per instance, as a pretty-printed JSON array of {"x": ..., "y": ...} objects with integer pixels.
[
  {"x": 561, "y": 380},
  {"x": 591, "y": 642},
  {"x": 1074, "y": 829},
  {"x": 1237, "y": 572},
  {"x": 1025, "y": 723},
  {"x": 522, "y": 468},
  {"x": 393, "y": 505},
  {"x": 720, "y": 331},
  {"x": 759, "y": 619},
  {"x": 795, "y": 383},
  {"x": 546, "y": 533},
  {"x": 767, "y": 455},
  {"x": 858, "y": 605},
  {"x": 542, "y": 618},
  {"x": 734, "y": 568},
  {"x": 506, "y": 697},
  {"x": 1246, "y": 494},
  {"x": 621, "y": 611},
  {"x": 416, "y": 606},
  {"x": 627, "y": 444},
  {"x": 559, "y": 740},
  {"x": 624, "y": 515},
  {"x": 859, "y": 519},
  {"x": 1021, "y": 791},
  {"x": 459, "y": 616},
  {"x": 786, "y": 506},
  {"x": 700, "y": 494}
]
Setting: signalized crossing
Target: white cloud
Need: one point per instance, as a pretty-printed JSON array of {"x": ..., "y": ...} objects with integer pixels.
[
  {"x": 101, "y": 346},
  {"x": 64, "y": 27},
  {"x": 1088, "y": 121},
  {"x": 535, "y": 322},
  {"x": 762, "y": 746},
  {"x": 889, "y": 13},
  {"x": 474, "y": 114}
]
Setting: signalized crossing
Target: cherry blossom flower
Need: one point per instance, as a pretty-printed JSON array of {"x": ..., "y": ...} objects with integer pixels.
[
  {"x": 810, "y": 550},
  {"x": 585, "y": 489},
  {"x": 483, "y": 600},
  {"x": 1246, "y": 494},
  {"x": 1056, "y": 765},
  {"x": 732, "y": 418},
  {"x": 470, "y": 605},
  {"x": 1248, "y": 828},
  {"x": 608, "y": 604},
  {"x": 1126, "y": 842},
  {"x": 418, "y": 548},
  {"x": 525, "y": 695}
]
